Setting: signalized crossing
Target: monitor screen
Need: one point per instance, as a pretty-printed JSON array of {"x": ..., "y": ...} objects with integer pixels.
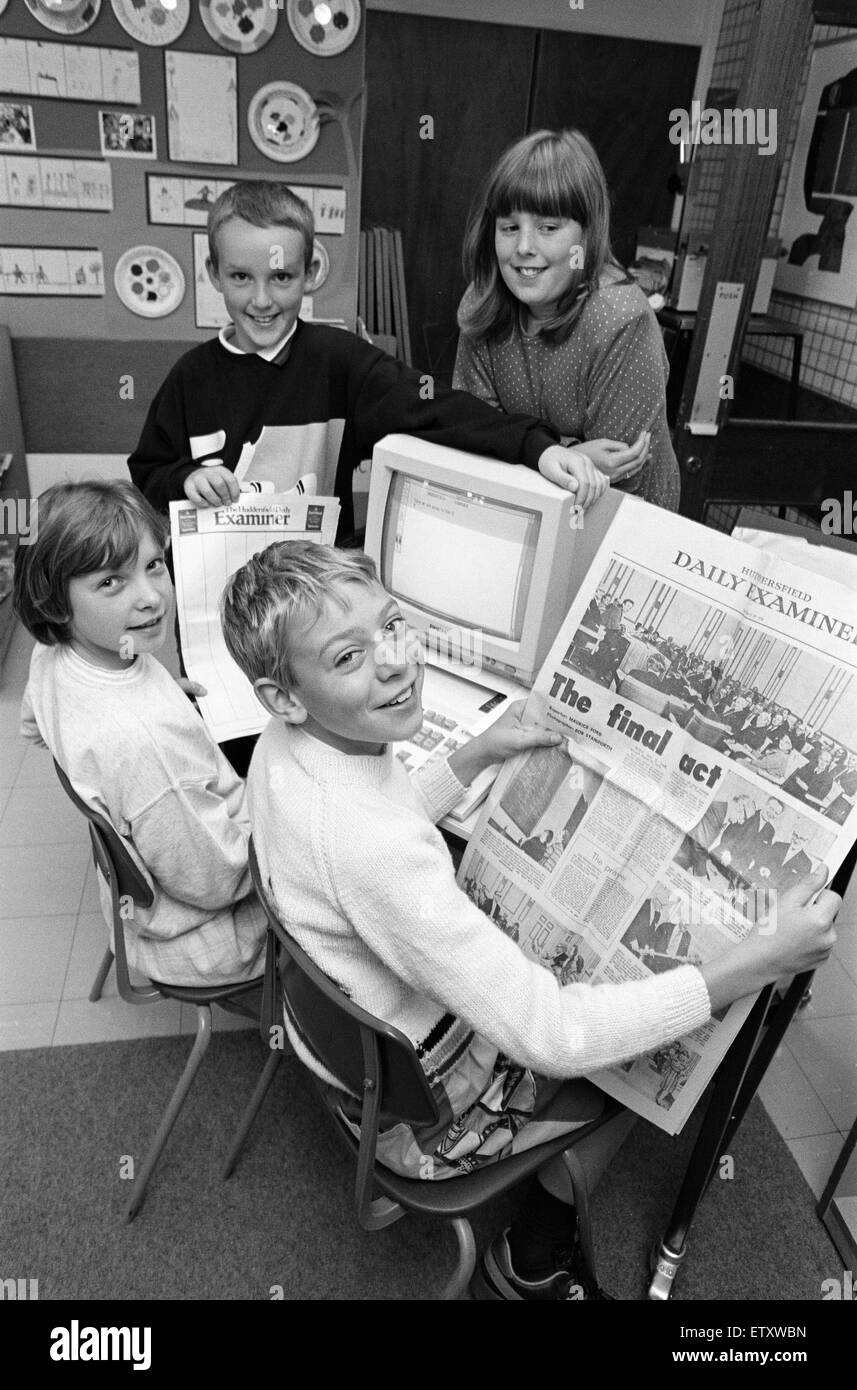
[{"x": 458, "y": 555}]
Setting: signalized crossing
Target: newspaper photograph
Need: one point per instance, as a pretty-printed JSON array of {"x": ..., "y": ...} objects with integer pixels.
[
  {"x": 208, "y": 545},
  {"x": 706, "y": 694}
]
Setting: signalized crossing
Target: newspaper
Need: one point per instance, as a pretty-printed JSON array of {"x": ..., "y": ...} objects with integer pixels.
[
  {"x": 707, "y": 696},
  {"x": 209, "y": 544}
]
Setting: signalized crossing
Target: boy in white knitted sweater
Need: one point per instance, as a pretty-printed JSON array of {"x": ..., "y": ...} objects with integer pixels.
[{"x": 364, "y": 882}]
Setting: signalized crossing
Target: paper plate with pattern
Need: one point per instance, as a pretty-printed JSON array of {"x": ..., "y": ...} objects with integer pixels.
[
  {"x": 283, "y": 121},
  {"x": 324, "y": 27},
  {"x": 241, "y": 26},
  {"x": 64, "y": 16},
  {"x": 149, "y": 281},
  {"x": 153, "y": 22}
]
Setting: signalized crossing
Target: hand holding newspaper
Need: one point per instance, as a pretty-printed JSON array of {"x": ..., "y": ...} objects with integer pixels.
[
  {"x": 705, "y": 691},
  {"x": 210, "y": 544}
]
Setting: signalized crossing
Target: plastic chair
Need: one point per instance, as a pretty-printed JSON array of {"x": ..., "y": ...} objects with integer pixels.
[
  {"x": 127, "y": 882},
  {"x": 380, "y": 1067}
]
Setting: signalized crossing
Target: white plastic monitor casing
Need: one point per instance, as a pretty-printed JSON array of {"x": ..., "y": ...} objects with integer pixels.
[{"x": 561, "y": 541}]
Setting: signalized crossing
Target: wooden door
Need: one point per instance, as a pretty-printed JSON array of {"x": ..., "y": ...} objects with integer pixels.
[
  {"x": 473, "y": 80},
  {"x": 484, "y": 85},
  {"x": 619, "y": 92}
]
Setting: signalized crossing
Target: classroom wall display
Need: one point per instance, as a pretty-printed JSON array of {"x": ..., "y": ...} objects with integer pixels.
[
  {"x": 240, "y": 26},
  {"x": 209, "y": 305},
  {"x": 17, "y": 128},
  {"x": 69, "y": 72},
  {"x": 127, "y": 136},
  {"x": 325, "y": 30},
  {"x": 283, "y": 122},
  {"x": 149, "y": 281},
  {"x": 186, "y": 202},
  {"x": 320, "y": 264},
  {"x": 181, "y": 202},
  {"x": 65, "y": 16},
  {"x": 152, "y": 22},
  {"x": 175, "y": 194},
  {"x": 202, "y": 108},
  {"x": 80, "y": 185},
  {"x": 51, "y": 270},
  {"x": 329, "y": 209},
  {"x": 819, "y": 219}
]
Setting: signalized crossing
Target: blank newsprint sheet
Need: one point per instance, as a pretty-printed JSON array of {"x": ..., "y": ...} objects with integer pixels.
[{"x": 209, "y": 545}]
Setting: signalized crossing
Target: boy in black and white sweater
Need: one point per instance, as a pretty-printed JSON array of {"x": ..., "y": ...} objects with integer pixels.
[{"x": 297, "y": 399}]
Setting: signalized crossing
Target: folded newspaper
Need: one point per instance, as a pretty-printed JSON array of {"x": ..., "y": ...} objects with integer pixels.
[
  {"x": 706, "y": 693},
  {"x": 209, "y": 544}
]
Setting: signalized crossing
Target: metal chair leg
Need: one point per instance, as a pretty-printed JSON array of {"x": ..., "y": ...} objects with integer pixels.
[
  {"x": 103, "y": 972},
  {"x": 171, "y": 1114},
  {"x": 250, "y": 1113},
  {"x": 580, "y": 1188},
  {"x": 466, "y": 1260},
  {"x": 738, "y": 1077},
  {"x": 664, "y": 1268}
]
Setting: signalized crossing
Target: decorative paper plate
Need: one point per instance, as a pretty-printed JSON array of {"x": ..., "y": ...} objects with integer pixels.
[
  {"x": 64, "y": 16},
  {"x": 283, "y": 121},
  {"x": 149, "y": 281},
  {"x": 325, "y": 28},
  {"x": 152, "y": 21},
  {"x": 241, "y": 26},
  {"x": 319, "y": 253}
]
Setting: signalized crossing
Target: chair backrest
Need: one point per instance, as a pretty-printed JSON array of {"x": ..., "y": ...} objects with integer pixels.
[
  {"x": 125, "y": 880},
  {"x": 350, "y": 1043}
]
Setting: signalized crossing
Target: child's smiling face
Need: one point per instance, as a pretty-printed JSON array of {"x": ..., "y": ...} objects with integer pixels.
[
  {"x": 119, "y": 613},
  {"x": 262, "y": 276},
  {"x": 537, "y": 256},
  {"x": 357, "y": 677}
]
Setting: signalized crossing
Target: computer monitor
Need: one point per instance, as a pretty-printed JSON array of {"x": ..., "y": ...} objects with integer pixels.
[{"x": 478, "y": 553}]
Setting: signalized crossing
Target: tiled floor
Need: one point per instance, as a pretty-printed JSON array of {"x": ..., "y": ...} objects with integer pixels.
[{"x": 52, "y": 938}]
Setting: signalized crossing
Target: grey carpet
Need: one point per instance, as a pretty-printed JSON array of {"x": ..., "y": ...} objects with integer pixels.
[{"x": 285, "y": 1218}]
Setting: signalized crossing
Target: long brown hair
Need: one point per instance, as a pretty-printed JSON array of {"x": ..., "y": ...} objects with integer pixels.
[{"x": 548, "y": 174}]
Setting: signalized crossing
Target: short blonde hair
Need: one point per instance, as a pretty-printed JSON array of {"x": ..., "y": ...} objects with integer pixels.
[{"x": 276, "y": 590}]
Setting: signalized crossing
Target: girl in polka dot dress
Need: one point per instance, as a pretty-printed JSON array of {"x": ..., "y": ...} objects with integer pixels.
[{"x": 551, "y": 325}]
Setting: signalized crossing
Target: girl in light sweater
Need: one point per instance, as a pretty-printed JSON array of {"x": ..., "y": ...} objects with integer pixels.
[
  {"x": 94, "y": 591},
  {"x": 347, "y": 843}
]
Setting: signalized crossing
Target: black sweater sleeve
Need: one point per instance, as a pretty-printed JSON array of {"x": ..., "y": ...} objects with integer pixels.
[
  {"x": 387, "y": 397},
  {"x": 161, "y": 461}
]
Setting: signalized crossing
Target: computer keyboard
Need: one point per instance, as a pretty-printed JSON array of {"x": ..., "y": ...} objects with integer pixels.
[{"x": 438, "y": 733}]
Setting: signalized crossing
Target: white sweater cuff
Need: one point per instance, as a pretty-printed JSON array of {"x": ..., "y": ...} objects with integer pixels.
[{"x": 438, "y": 787}]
